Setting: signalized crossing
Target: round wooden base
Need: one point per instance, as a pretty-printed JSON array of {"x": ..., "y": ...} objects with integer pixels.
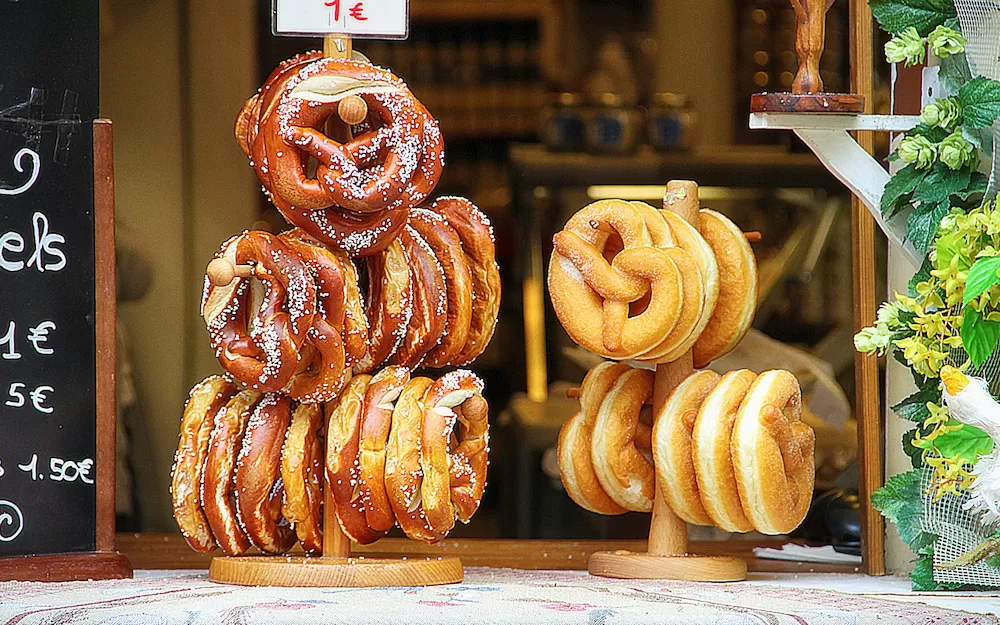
[
  {"x": 807, "y": 103},
  {"x": 629, "y": 565},
  {"x": 354, "y": 572}
]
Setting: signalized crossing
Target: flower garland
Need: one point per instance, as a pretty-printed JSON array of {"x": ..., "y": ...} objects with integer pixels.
[{"x": 951, "y": 314}]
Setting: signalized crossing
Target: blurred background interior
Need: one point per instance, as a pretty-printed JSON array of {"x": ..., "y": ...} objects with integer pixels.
[{"x": 545, "y": 105}]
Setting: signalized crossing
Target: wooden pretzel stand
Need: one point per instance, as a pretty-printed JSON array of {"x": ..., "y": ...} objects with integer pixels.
[
  {"x": 666, "y": 554},
  {"x": 336, "y": 567},
  {"x": 807, "y": 89}
]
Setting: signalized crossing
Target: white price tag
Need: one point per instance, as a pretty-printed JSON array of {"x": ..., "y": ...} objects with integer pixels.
[{"x": 387, "y": 19}]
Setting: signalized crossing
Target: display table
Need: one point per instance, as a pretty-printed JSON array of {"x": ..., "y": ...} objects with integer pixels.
[{"x": 498, "y": 596}]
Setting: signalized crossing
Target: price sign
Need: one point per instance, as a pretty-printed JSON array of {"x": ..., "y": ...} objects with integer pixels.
[{"x": 376, "y": 19}]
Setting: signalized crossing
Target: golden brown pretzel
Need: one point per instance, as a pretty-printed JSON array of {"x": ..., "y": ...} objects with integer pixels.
[
  {"x": 302, "y": 476},
  {"x": 430, "y": 304},
  {"x": 355, "y": 322},
  {"x": 204, "y": 402},
  {"x": 376, "y": 420},
  {"x": 672, "y": 446},
  {"x": 322, "y": 371},
  {"x": 217, "y": 477},
  {"x": 257, "y": 480},
  {"x": 389, "y": 306},
  {"x": 773, "y": 454},
  {"x": 682, "y": 336},
  {"x": 470, "y": 458},
  {"x": 447, "y": 247},
  {"x": 476, "y": 233},
  {"x": 439, "y": 419},
  {"x": 260, "y": 348},
  {"x": 403, "y": 475},
  {"x": 625, "y": 473},
  {"x": 342, "y": 470}
]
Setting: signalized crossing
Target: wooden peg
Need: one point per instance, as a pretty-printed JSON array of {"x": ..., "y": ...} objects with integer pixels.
[
  {"x": 753, "y": 236},
  {"x": 221, "y": 272},
  {"x": 337, "y": 47},
  {"x": 353, "y": 109},
  {"x": 573, "y": 393}
]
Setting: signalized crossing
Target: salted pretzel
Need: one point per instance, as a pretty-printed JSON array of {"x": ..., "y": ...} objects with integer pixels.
[
  {"x": 595, "y": 298},
  {"x": 322, "y": 371},
  {"x": 204, "y": 402},
  {"x": 442, "y": 402},
  {"x": 342, "y": 470},
  {"x": 257, "y": 481},
  {"x": 356, "y": 332},
  {"x": 470, "y": 458},
  {"x": 447, "y": 247},
  {"x": 302, "y": 476},
  {"x": 376, "y": 419},
  {"x": 257, "y": 336},
  {"x": 217, "y": 478},
  {"x": 737, "y": 301},
  {"x": 403, "y": 474},
  {"x": 430, "y": 304},
  {"x": 711, "y": 453},
  {"x": 675, "y": 468},
  {"x": 476, "y": 233},
  {"x": 389, "y": 305},
  {"x": 624, "y": 472},
  {"x": 773, "y": 454},
  {"x": 575, "y": 465}
]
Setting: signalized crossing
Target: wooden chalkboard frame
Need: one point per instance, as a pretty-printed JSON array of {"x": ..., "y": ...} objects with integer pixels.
[{"x": 104, "y": 562}]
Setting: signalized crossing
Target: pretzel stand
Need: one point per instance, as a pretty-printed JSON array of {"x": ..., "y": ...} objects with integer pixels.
[
  {"x": 666, "y": 554},
  {"x": 336, "y": 567}
]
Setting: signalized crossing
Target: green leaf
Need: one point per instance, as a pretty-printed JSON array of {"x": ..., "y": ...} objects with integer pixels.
[
  {"x": 923, "y": 275},
  {"x": 914, "y": 407},
  {"x": 922, "y": 574},
  {"x": 913, "y": 452},
  {"x": 922, "y": 225},
  {"x": 983, "y": 274},
  {"x": 900, "y": 502},
  {"x": 977, "y": 184},
  {"x": 946, "y": 246},
  {"x": 898, "y": 15},
  {"x": 994, "y": 561},
  {"x": 980, "y": 99},
  {"x": 954, "y": 72},
  {"x": 968, "y": 443},
  {"x": 932, "y": 133},
  {"x": 979, "y": 336},
  {"x": 902, "y": 183},
  {"x": 941, "y": 183}
]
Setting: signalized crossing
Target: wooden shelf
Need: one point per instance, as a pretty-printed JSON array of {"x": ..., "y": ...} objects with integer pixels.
[{"x": 169, "y": 551}]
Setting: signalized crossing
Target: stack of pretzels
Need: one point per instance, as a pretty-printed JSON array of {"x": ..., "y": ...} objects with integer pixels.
[
  {"x": 319, "y": 328},
  {"x": 729, "y": 451},
  {"x": 630, "y": 282},
  {"x": 396, "y": 450}
]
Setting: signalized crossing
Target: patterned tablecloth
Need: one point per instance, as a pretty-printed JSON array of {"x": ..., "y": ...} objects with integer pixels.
[{"x": 498, "y": 596}]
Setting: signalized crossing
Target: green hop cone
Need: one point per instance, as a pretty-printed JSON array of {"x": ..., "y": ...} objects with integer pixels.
[
  {"x": 888, "y": 315},
  {"x": 872, "y": 339},
  {"x": 918, "y": 149},
  {"x": 907, "y": 47},
  {"x": 945, "y": 41},
  {"x": 956, "y": 151},
  {"x": 944, "y": 112}
]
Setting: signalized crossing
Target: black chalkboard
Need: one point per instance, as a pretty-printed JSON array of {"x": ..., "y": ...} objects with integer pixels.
[{"x": 48, "y": 100}]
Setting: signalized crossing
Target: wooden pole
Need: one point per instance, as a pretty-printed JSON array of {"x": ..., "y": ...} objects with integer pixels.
[{"x": 863, "y": 261}]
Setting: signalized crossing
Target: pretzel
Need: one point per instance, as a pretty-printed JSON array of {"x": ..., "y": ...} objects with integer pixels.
[
  {"x": 355, "y": 322},
  {"x": 302, "y": 476},
  {"x": 217, "y": 478},
  {"x": 624, "y": 472},
  {"x": 711, "y": 452},
  {"x": 260, "y": 348},
  {"x": 204, "y": 402},
  {"x": 773, "y": 454},
  {"x": 342, "y": 470},
  {"x": 682, "y": 336},
  {"x": 447, "y": 247},
  {"x": 403, "y": 475},
  {"x": 575, "y": 465},
  {"x": 390, "y": 305},
  {"x": 257, "y": 480},
  {"x": 322, "y": 371},
  {"x": 430, "y": 304},
  {"x": 470, "y": 459},
  {"x": 476, "y": 233},
  {"x": 737, "y": 300},
  {"x": 675, "y": 469},
  {"x": 376, "y": 419},
  {"x": 593, "y": 297},
  {"x": 448, "y": 392}
]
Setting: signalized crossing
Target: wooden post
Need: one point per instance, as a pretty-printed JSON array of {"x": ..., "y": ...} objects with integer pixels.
[{"x": 863, "y": 269}]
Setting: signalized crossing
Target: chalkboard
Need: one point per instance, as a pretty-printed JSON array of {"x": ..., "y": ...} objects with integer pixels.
[{"x": 49, "y": 465}]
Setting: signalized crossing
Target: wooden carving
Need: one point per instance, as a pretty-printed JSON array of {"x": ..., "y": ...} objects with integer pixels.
[{"x": 810, "y": 36}]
